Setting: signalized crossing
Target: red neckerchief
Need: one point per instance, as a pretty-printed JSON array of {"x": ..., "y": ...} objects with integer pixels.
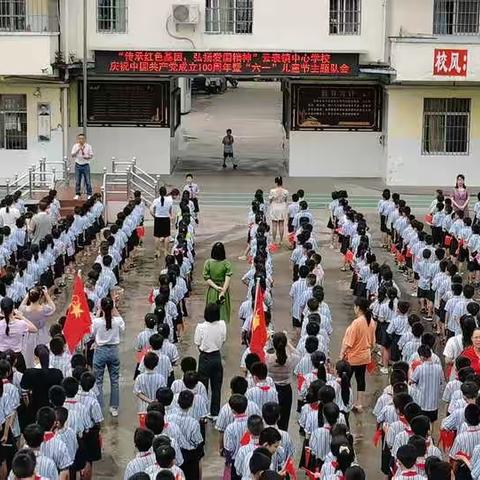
[
  {"x": 314, "y": 406},
  {"x": 264, "y": 388},
  {"x": 165, "y": 425},
  {"x": 409, "y": 473},
  {"x": 403, "y": 420},
  {"x": 71, "y": 401},
  {"x": 5, "y": 380},
  {"x": 144, "y": 454},
  {"x": 420, "y": 466},
  {"x": 48, "y": 436}
]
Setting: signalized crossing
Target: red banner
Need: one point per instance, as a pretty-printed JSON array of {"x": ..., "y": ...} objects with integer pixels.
[{"x": 450, "y": 62}]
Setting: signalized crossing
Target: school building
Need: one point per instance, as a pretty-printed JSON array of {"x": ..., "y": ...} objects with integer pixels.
[{"x": 371, "y": 88}]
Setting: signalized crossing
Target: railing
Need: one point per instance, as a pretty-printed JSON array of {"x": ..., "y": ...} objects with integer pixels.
[
  {"x": 125, "y": 178},
  {"x": 40, "y": 177},
  {"x": 29, "y": 16}
]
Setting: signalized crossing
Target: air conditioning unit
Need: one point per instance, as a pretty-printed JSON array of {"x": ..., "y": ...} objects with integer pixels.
[{"x": 185, "y": 13}]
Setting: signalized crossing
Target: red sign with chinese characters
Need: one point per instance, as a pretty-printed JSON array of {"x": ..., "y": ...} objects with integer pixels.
[
  {"x": 450, "y": 62},
  {"x": 227, "y": 63}
]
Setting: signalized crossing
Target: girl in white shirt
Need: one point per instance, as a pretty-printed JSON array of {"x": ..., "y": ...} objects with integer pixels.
[{"x": 107, "y": 329}]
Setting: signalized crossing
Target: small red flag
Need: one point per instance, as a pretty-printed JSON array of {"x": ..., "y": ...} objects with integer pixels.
[
  {"x": 259, "y": 326},
  {"x": 78, "y": 322},
  {"x": 245, "y": 440},
  {"x": 290, "y": 469},
  {"x": 142, "y": 417}
]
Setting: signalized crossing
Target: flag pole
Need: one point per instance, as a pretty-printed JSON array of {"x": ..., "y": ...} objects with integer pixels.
[{"x": 257, "y": 287}]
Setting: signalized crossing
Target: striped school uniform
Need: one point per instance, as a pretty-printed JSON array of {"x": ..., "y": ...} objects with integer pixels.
[
  {"x": 140, "y": 463},
  {"x": 198, "y": 410},
  {"x": 233, "y": 434},
  {"x": 319, "y": 442},
  {"x": 199, "y": 389},
  {"x": 147, "y": 384},
  {"x": 45, "y": 467},
  {"x": 68, "y": 437},
  {"x": 429, "y": 380},
  {"x": 54, "y": 448},
  {"x": 226, "y": 415},
  {"x": 153, "y": 471},
  {"x": 164, "y": 366},
  {"x": 466, "y": 442},
  {"x": 262, "y": 393}
]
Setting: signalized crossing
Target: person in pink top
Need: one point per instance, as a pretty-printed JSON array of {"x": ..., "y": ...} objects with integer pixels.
[
  {"x": 460, "y": 196},
  {"x": 13, "y": 327}
]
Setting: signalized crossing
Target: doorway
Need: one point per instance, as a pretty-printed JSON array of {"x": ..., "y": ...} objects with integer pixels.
[{"x": 253, "y": 111}]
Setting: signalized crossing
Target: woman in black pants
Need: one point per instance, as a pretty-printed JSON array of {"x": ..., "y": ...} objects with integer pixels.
[
  {"x": 280, "y": 368},
  {"x": 210, "y": 336}
]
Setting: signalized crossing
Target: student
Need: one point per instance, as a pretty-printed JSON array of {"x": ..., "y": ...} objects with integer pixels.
[
  {"x": 192, "y": 449},
  {"x": 193, "y": 190},
  {"x": 235, "y": 431},
  {"x": 319, "y": 442},
  {"x": 68, "y": 437},
  {"x": 428, "y": 381},
  {"x": 250, "y": 439},
  {"x": 262, "y": 391},
  {"x": 466, "y": 441},
  {"x": 293, "y": 209},
  {"x": 297, "y": 291},
  {"x": 145, "y": 458},
  {"x": 33, "y": 436},
  {"x": 425, "y": 278},
  {"x": 398, "y": 327},
  {"x": 343, "y": 389},
  {"x": 27, "y": 466},
  {"x": 59, "y": 358},
  {"x": 147, "y": 383},
  {"x": 406, "y": 459},
  {"x": 271, "y": 414},
  {"x": 165, "y": 460}
]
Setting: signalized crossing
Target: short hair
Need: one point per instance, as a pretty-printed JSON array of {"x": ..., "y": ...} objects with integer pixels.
[
  {"x": 259, "y": 370},
  {"x": 46, "y": 418},
  {"x": 212, "y": 312},
  {"x": 165, "y": 455},
  {"x": 33, "y": 435},
  {"x": 185, "y": 399},
  {"x": 24, "y": 463},
  {"x": 238, "y": 403},
  {"x": 239, "y": 384},
  {"x": 269, "y": 436},
  {"x": 150, "y": 360},
  {"x": 188, "y": 364},
  {"x": 143, "y": 439},
  {"x": 164, "y": 395},
  {"x": 87, "y": 381},
  {"x": 407, "y": 455},
  {"x": 70, "y": 385},
  {"x": 271, "y": 412}
]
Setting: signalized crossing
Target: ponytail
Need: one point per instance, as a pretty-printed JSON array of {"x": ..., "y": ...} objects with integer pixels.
[
  {"x": 280, "y": 345},
  {"x": 364, "y": 306},
  {"x": 7, "y": 309},
  {"x": 107, "y": 307},
  {"x": 163, "y": 192}
]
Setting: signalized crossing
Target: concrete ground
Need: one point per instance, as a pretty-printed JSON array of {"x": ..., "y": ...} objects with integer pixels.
[{"x": 253, "y": 112}]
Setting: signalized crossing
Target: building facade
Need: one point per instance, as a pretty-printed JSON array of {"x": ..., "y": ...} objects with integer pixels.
[{"x": 370, "y": 90}]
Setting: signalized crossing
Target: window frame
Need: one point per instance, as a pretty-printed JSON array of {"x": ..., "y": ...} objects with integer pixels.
[
  {"x": 341, "y": 12},
  {"x": 123, "y": 21},
  {"x": 454, "y": 28},
  {"x": 21, "y": 114},
  {"x": 225, "y": 17},
  {"x": 445, "y": 115}
]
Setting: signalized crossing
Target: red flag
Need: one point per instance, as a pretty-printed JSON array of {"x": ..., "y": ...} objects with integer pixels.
[
  {"x": 290, "y": 469},
  {"x": 142, "y": 417},
  {"x": 78, "y": 322},
  {"x": 259, "y": 326},
  {"x": 245, "y": 440}
]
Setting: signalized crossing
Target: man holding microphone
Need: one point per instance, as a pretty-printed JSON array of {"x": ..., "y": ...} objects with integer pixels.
[{"x": 82, "y": 153}]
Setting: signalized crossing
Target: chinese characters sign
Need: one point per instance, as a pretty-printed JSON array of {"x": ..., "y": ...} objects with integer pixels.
[
  {"x": 335, "y": 107},
  {"x": 450, "y": 63},
  {"x": 227, "y": 63}
]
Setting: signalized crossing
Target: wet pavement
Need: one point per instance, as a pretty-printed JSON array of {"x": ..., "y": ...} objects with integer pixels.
[{"x": 229, "y": 227}]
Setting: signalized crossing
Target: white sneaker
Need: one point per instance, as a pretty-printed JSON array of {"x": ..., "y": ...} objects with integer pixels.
[
  {"x": 76, "y": 197},
  {"x": 89, "y": 197},
  {"x": 114, "y": 411},
  {"x": 384, "y": 371},
  {"x": 242, "y": 257}
]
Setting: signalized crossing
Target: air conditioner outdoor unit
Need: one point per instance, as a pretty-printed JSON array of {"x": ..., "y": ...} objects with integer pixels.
[{"x": 185, "y": 13}]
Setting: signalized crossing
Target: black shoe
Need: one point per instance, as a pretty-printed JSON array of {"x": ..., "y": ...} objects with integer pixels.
[
  {"x": 224, "y": 165},
  {"x": 235, "y": 167}
]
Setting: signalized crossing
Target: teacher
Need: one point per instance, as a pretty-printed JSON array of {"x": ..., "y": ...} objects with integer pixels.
[
  {"x": 217, "y": 272},
  {"x": 473, "y": 351},
  {"x": 460, "y": 197},
  {"x": 278, "y": 198},
  {"x": 161, "y": 210}
]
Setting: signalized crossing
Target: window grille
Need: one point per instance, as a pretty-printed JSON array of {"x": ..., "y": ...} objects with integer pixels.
[
  {"x": 345, "y": 17},
  {"x": 112, "y": 16},
  {"x": 13, "y": 122},
  {"x": 456, "y": 17},
  {"x": 446, "y": 124},
  {"x": 229, "y": 16}
]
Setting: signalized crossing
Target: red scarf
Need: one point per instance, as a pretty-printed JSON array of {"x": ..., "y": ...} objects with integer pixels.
[
  {"x": 409, "y": 473},
  {"x": 48, "y": 436},
  {"x": 264, "y": 388}
]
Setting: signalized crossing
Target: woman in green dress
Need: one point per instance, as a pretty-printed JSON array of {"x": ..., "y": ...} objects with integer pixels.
[{"x": 217, "y": 272}]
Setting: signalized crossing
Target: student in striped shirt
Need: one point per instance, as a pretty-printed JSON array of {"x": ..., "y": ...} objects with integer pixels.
[
  {"x": 250, "y": 439},
  {"x": 52, "y": 445},
  {"x": 192, "y": 450},
  {"x": 406, "y": 460},
  {"x": 26, "y": 465},
  {"x": 165, "y": 460},
  {"x": 147, "y": 383},
  {"x": 235, "y": 431},
  {"x": 33, "y": 435},
  {"x": 68, "y": 437},
  {"x": 262, "y": 392},
  {"x": 142, "y": 439},
  {"x": 271, "y": 414},
  {"x": 465, "y": 442},
  {"x": 297, "y": 291},
  {"x": 428, "y": 381},
  {"x": 164, "y": 366},
  {"x": 189, "y": 364}
]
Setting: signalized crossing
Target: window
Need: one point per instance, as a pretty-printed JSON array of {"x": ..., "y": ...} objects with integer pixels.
[
  {"x": 446, "y": 124},
  {"x": 345, "y": 17},
  {"x": 13, "y": 122},
  {"x": 229, "y": 16},
  {"x": 117, "y": 103},
  {"x": 456, "y": 17},
  {"x": 112, "y": 16}
]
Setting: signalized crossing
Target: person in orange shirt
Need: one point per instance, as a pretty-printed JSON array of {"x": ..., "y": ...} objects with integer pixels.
[{"x": 357, "y": 345}]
